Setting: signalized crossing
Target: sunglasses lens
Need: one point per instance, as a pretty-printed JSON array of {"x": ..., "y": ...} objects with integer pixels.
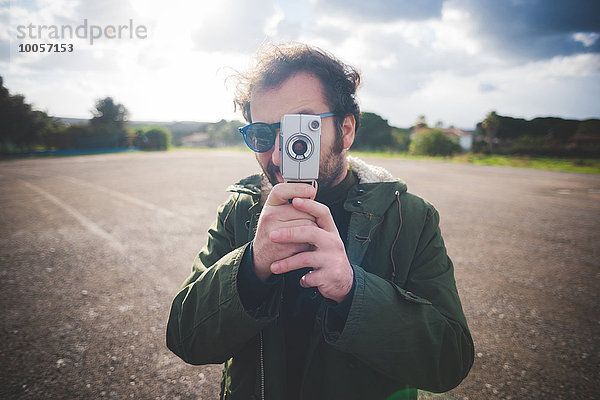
[{"x": 260, "y": 137}]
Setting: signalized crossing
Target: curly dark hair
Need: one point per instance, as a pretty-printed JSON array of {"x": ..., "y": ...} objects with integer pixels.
[{"x": 276, "y": 63}]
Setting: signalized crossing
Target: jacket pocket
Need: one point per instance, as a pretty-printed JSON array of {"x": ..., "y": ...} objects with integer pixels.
[{"x": 411, "y": 297}]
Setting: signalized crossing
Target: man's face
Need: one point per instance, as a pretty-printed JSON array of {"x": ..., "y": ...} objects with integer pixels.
[{"x": 302, "y": 93}]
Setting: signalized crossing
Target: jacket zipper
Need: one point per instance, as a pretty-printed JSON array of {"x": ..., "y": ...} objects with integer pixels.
[
  {"x": 262, "y": 368},
  {"x": 397, "y": 194}
]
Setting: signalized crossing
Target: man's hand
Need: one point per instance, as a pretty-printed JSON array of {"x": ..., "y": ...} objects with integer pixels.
[
  {"x": 332, "y": 274},
  {"x": 277, "y": 214}
]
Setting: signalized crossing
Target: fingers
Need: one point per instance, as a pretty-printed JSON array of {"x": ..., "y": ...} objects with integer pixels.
[
  {"x": 281, "y": 193},
  {"x": 297, "y": 261},
  {"x": 299, "y": 234},
  {"x": 310, "y": 279},
  {"x": 318, "y": 210},
  {"x": 285, "y": 213}
]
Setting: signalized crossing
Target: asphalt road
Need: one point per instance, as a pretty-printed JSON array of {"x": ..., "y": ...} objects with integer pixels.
[{"x": 94, "y": 248}]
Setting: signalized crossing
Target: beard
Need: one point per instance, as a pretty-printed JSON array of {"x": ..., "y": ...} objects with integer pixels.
[
  {"x": 331, "y": 167},
  {"x": 271, "y": 171}
]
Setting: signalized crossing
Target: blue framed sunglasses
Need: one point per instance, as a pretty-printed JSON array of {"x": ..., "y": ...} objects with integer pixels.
[{"x": 260, "y": 136}]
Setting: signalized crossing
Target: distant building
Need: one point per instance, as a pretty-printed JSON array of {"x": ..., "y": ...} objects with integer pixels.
[
  {"x": 464, "y": 138},
  {"x": 196, "y": 140}
]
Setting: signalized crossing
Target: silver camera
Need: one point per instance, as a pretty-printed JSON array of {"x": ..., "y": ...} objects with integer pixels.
[{"x": 300, "y": 147}]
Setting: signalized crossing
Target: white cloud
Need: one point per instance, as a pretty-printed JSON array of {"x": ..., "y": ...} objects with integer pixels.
[
  {"x": 161, "y": 77},
  {"x": 448, "y": 64},
  {"x": 556, "y": 87},
  {"x": 587, "y": 38},
  {"x": 383, "y": 10},
  {"x": 236, "y": 27}
]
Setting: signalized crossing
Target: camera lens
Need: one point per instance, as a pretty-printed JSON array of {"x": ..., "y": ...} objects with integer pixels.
[{"x": 299, "y": 147}]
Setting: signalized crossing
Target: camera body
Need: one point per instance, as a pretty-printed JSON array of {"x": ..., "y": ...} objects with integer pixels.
[{"x": 300, "y": 147}]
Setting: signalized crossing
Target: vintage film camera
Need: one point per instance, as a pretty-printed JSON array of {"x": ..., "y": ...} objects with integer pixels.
[{"x": 300, "y": 147}]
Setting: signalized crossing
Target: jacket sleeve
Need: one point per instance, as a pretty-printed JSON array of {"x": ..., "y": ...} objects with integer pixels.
[
  {"x": 416, "y": 333},
  {"x": 208, "y": 323}
]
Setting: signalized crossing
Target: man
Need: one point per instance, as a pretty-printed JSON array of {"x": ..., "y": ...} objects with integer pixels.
[{"x": 345, "y": 292}]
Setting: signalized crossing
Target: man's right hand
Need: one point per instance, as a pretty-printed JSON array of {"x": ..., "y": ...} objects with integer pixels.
[{"x": 276, "y": 214}]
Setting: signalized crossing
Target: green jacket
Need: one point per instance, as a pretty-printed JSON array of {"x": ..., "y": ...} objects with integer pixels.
[{"x": 405, "y": 328}]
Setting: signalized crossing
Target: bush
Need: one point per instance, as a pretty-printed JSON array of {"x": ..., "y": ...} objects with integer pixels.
[
  {"x": 80, "y": 136},
  {"x": 154, "y": 139},
  {"x": 433, "y": 143}
]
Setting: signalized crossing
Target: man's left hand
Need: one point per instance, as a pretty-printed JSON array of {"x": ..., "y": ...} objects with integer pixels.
[{"x": 332, "y": 274}]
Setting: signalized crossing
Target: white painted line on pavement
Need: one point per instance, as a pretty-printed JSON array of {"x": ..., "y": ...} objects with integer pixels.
[
  {"x": 122, "y": 196},
  {"x": 88, "y": 224}
]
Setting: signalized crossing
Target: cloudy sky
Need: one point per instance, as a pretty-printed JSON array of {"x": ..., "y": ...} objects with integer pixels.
[{"x": 450, "y": 60}]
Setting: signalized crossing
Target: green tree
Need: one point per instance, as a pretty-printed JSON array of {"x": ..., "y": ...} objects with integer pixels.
[
  {"x": 433, "y": 143},
  {"x": 374, "y": 133},
  {"x": 21, "y": 128},
  {"x": 589, "y": 127},
  {"x": 491, "y": 123},
  {"x": 15, "y": 117},
  {"x": 109, "y": 117},
  {"x": 401, "y": 138},
  {"x": 44, "y": 127},
  {"x": 421, "y": 120},
  {"x": 224, "y": 133},
  {"x": 108, "y": 125}
]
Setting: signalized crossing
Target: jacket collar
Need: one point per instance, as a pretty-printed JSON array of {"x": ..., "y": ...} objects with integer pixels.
[
  {"x": 375, "y": 190},
  {"x": 250, "y": 185},
  {"x": 369, "y": 173}
]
